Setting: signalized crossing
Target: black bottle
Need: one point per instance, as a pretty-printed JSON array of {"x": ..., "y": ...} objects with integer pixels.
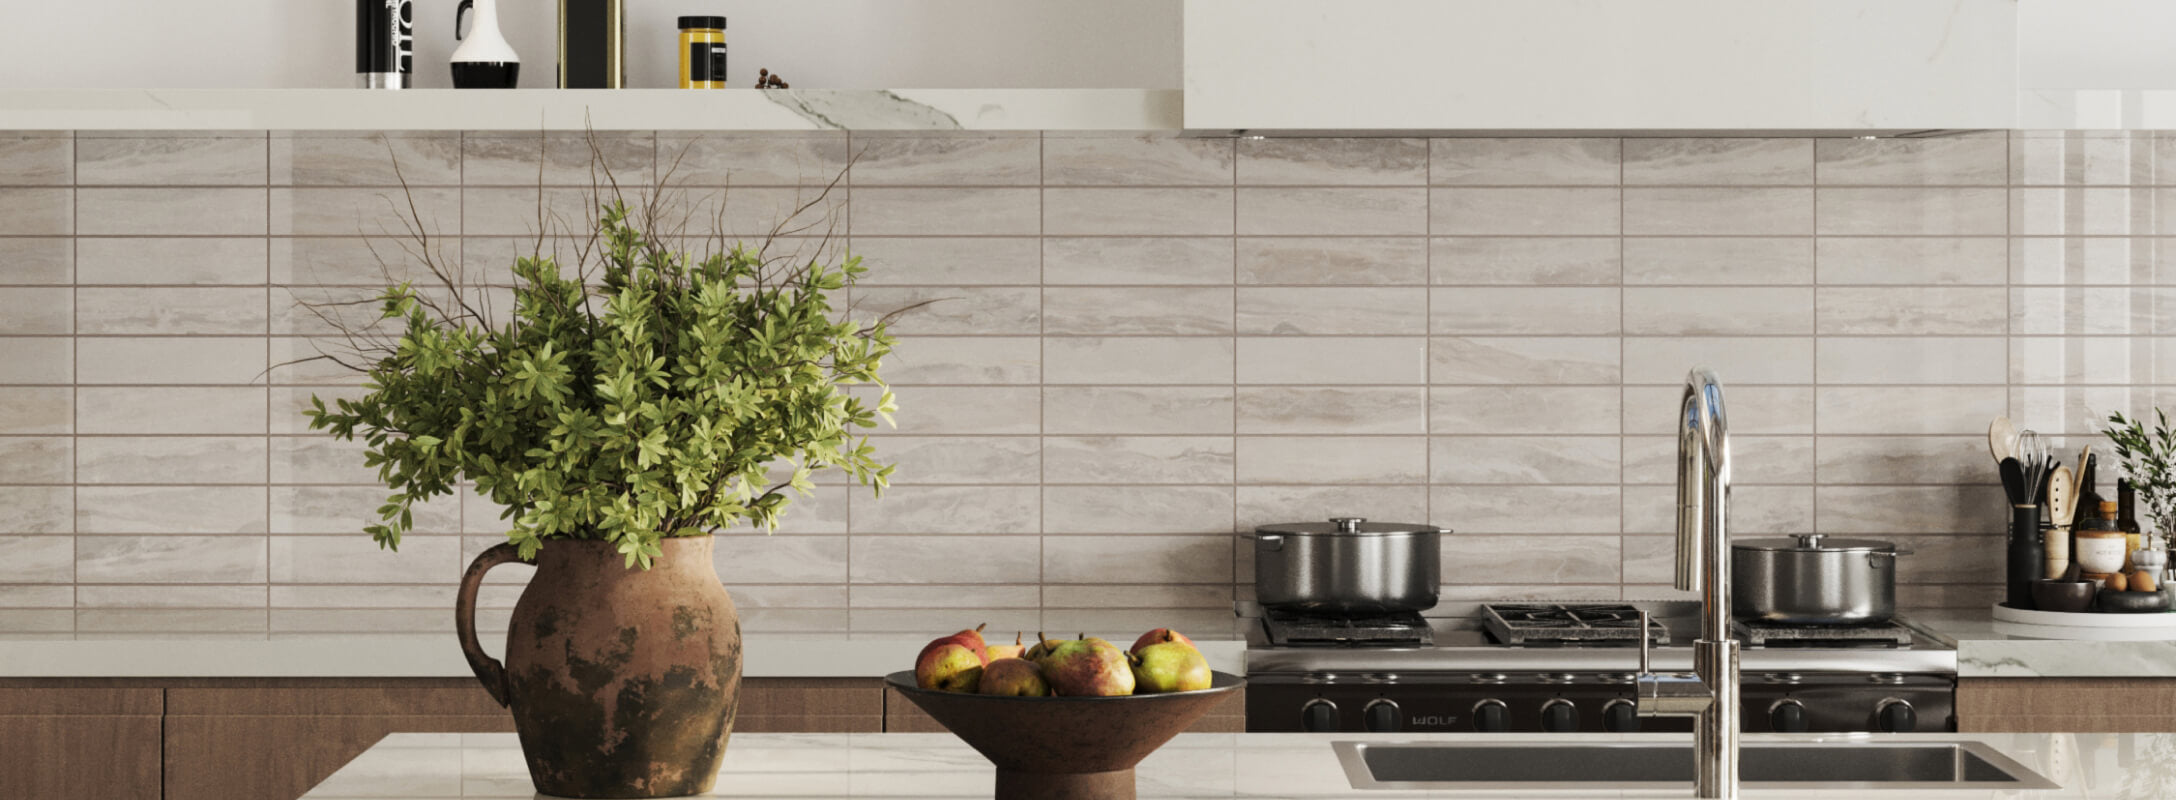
[{"x": 592, "y": 44}]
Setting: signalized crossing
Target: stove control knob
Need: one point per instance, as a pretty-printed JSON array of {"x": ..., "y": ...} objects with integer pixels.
[
  {"x": 1896, "y": 716},
  {"x": 1381, "y": 716},
  {"x": 1621, "y": 716},
  {"x": 1490, "y": 716},
  {"x": 1787, "y": 716},
  {"x": 1559, "y": 716},
  {"x": 1318, "y": 716}
]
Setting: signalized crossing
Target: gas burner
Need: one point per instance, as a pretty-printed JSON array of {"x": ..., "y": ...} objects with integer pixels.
[
  {"x": 1288, "y": 629},
  {"x": 1514, "y": 624},
  {"x": 1759, "y": 634}
]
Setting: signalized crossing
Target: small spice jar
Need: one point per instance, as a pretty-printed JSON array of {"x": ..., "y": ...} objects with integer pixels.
[{"x": 702, "y": 52}]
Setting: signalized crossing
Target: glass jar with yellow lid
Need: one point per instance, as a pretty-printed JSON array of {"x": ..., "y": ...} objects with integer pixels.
[{"x": 702, "y": 52}]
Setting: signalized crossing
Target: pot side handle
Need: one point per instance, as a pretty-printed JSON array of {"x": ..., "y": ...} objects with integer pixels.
[{"x": 488, "y": 670}]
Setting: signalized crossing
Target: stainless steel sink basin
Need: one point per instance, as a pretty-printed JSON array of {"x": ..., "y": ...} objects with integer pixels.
[{"x": 1869, "y": 765}]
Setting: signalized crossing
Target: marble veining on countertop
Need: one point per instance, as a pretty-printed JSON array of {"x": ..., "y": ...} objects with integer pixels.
[
  {"x": 1987, "y": 648},
  {"x": 1252, "y": 766}
]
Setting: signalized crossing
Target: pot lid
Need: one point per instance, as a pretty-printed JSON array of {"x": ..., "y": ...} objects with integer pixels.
[
  {"x": 1346, "y": 526},
  {"x": 1814, "y": 542}
]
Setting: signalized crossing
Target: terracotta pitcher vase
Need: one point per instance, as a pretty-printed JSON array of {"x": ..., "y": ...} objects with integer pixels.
[{"x": 623, "y": 682}]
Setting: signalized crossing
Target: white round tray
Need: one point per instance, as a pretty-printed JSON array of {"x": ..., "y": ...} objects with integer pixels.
[{"x": 2149, "y": 621}]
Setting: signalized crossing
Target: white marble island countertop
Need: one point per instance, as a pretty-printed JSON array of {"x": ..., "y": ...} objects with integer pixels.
[
  {"x": 1987, "y": 648},
  {"x": 1254, "y": 766}
]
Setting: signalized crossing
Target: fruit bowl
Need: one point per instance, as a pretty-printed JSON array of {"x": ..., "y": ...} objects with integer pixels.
[{"x": 1066, "y": 748}]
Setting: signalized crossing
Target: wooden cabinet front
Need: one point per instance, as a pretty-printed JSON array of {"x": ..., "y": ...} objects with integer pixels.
[
  {"x": 2066, "y": 705},
  {"x": 79, "y": 743}
]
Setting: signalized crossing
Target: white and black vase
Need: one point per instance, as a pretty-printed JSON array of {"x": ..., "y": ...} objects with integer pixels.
[{"x": 484, "y": 60}]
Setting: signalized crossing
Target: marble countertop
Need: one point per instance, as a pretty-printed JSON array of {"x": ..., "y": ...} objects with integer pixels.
[
  {"x": 1987, "y": 648},
  {"x": 1254, "y": 766}
]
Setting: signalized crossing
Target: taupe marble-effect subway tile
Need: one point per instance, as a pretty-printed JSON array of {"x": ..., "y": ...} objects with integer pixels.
[
  {"x": 913, "y": 621},
  {"x": 26, "y": 597},
  {"x": 948, "y": 509},
  {"x": 1141, "y": 410},
  {"x": 1755, "y": 460},
  {"x": 36, "y": 509},
  {"x": 1718, "y": 162},
  {"x": 1281, "y": 211},
  {"x": 2078, "y": 410},
  {"x": 170, "y": 311},
  {"x": 37, "y": 261},
  {"x": 37, "y": 161},
  {"x": 1094, "y": 261},
  {"x": 36, "y": 311},
  {"x": 1137, "y": 212},
  {"x": 1151, "y": 311},
  {"x": 164, "y": 409},
  {"x": 1913, "y": 310},
  {"x": 168, "y": 623},
  {"x": 32, "y": 410},
  {"x": 991, "y": 410},
  {"x": 1267, "y": 505},
  {"x": 170, "y": 162},
  {"x": 1914, "y": 360},
  {"x": 1366, "y": 161},
  {"x": 1159, "y": 160},
  {"x": 371, "y": 212},
  {"x": 1518, "y": 559},
  {"x": 1754, "y": 510},
  {"x": 939, "y": 595},
  {"x": 1524, "y": 460},
  {"x": 2093, "y": 211},
  {"x": 801, "y": 218},
  {"x": 1666, "y": 261},
  {"x": 377, "y": 261},
  {"x": 978, "y": 360},
  {"x": 1332, "y": 459},
  {"x": 1136, "y": 459},
  {"x": 36, "y": 459},
  {"x": 781, "y": 558},
  {"x": 364, "y": 621},
  {"x": 171, "y": 509},
  {"x": 170, "y": 459},
  {"x": 170, "y": 360},
  {"x": 2083, "y": 261},
  {"x": 1512, "y": 360},
  {"x": 1477, "y": 510},
  {"x": 1333, "y": 410},
  {"x": 949, "y": 262},
  {"x": 711, "y": 159},
  {"x": 357, "y": 559},
  {"x": 751, "y": 596},
  {"x": 1910, "y": 409},
  {"x": 167, "y": 262},
  {"x": 1143, "y": 510},
  {"x": 955, "y": 310},
  {"x": 1524, "y": 409},
  {"x": 344, "y": 510},
  {"x": 319, "y": 459},
  {"x": 1333, "y": 261},
  {"x": 1121, "y": 621},
  {"x": 39, "y": 212},
  {"x": 372, "y": 160},
  {"x": 1332, "y": 311},
  {"x": 1911, "y": 509},
  {"x": 170, "y": 211},
  {"x": 2061, "y": 360},
  {"x": 1333, "y": 360},
  {"x": 926, "y": 460},
  {"x": 1718, "y": 212},
  {"x": 915, "y": 212},
  {"x": 1495, "y": 311},
  {"x": 1945, "y": 161},
  {"x": 520, "y": 158},
  {"x": 1524, "y": 212},
  {"x": 1712, "y": 311},
  {"x": 2087, "y": 310},
  {"x": 38, "y": 559},
  {"x": 947, "y": 160},
  {"x": 1138, "y": 359},
  {"x": 1967, "y": 559},
  {"x": 1526, "y": 261},
  {"x": 1938, "y": 261},
  {"x": 944, "y": 559},
  {"x": 1739, "y": 360},
  {"x": 1524, "y": 162},
  {"x": 1137, "y": 596},
  {"x": 1140, "y": 559},
  {"x": 1940, "y": 211},
  {"x": 1754, "y": 409},
  {"x": 37, "y": 359},
  {"x": 1903, "y": 460}
]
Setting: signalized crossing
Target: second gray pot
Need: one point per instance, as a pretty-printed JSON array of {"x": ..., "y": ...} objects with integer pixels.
[{"x": 1811, "y": 579}]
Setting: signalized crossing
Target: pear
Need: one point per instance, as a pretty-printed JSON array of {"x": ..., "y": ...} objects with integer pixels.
[
  {"x": 1158, "y": 636},
  {"x": 1088, "y": 668},
  {"x": 1013, "y": 677},
  {"x": 970, "y": 639},
  {"x": 948, "y": 667},
  {"x": 998, "y": 651},
  {"x": 1042, "y": 648},
  {"x": 1171, "y": 667}
]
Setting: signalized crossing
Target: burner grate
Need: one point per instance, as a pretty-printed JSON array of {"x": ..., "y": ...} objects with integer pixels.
[
  {"x": 1887, "y": 634},
  {"x": 1287, "y": 629},
  {"x": 1520, "y": 624}
]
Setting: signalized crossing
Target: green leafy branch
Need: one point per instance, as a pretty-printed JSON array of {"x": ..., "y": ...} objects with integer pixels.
[{"x": 2149, "y": 459}]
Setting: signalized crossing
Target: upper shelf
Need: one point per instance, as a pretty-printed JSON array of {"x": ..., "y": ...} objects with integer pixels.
[{"x": 576, "y": 109}]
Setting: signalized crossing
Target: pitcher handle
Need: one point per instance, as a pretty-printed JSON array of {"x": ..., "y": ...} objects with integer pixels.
[{"x": 488, "y": 670}]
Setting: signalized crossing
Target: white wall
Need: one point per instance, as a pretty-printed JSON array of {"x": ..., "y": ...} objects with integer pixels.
[
  {"x": 932, "y": 44},
  {"x": 2096, "y": 44}
]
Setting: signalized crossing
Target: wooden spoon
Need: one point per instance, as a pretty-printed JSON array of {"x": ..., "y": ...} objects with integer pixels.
[{"x": 2002, "y": 439}]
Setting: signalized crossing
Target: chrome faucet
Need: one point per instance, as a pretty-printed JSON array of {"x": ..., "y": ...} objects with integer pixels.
[{"x": 1710, "y": 694}]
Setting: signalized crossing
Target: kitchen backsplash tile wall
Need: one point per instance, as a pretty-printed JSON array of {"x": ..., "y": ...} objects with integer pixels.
[{"x": 1140, "y": 345}]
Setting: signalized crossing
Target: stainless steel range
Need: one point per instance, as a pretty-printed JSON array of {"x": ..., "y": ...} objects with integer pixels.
[{"x": 1569, "y": 667}]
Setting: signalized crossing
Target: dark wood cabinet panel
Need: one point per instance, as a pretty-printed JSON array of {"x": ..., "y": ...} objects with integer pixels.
[
  {"x": 810, "y": 705},
  {"x": 903, "y": 716},
  {"x": 79, "y": 743},
  {"x": 259, "y": 757},
  {"x": 2066, "y": 705}
]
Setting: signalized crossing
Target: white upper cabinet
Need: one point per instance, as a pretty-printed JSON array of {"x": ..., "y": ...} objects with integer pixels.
[{"x": 1543, "y": 65}]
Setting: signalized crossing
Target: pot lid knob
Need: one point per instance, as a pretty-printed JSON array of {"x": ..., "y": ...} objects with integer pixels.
[
  {"x": 1348, "y": 524},
  {"x": 1810, "y": 541}
]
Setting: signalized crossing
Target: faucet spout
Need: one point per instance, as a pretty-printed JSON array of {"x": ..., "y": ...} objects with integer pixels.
[{"x": 1703, "y": 549}]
